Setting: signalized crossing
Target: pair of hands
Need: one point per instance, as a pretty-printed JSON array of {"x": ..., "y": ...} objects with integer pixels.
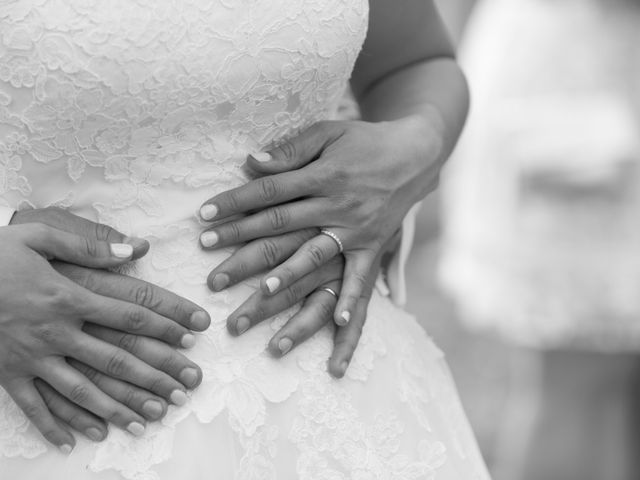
[
  {"x": 82, "y": 346},
  {"x": 356, "y": 179}
]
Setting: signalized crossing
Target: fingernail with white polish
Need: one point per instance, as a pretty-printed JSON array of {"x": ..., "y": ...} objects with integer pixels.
[
  {"x": 209, "y": 239},
  {"x": 208, "y": 211},
  {"x": 66, "y": 449},
  {"x": 345, "y": 316},
  {"x": 135, "y": 428},
  {"x": 262, "y": 157},
  {"x": 178, "y": 397},
  {"x": 285, "y": 345},
  {"x": 188, "y": 341},
  {"x": 273, "y": 283},
  {"x": 121, "y": 250}
]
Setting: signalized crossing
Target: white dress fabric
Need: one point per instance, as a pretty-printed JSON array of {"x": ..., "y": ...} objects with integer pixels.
[
  {"x": 541, "y": 202},
  {"x": 132, "y": 113}
]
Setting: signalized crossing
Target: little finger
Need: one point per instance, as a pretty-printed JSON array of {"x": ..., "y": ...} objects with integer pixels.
[
  {"x": 308, "y": 258},
  {"x": 71, "y": 414},
  {"x": 316, "y": 312},
  {"x": 79, "y": 389},
  {"x": 26, "y": 396},
  {"x": 259, "y": 306}
]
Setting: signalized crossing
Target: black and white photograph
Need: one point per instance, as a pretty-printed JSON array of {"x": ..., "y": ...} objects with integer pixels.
[{"x": 319, "y": 239}]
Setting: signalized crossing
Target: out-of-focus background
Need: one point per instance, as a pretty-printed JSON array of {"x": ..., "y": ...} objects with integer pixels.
[
  {"x": 479, "y": 362},
  {"x": 565, "y": 79}
]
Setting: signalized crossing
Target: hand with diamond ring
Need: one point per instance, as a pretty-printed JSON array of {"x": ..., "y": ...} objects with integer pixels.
[{"x": 354, "y": 180}]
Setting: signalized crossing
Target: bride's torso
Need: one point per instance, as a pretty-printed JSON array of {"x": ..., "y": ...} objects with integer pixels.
[{"x": 133, "y": 112}]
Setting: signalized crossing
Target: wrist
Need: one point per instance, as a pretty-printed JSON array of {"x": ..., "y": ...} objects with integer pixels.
[{"x": 422, "y": 135}]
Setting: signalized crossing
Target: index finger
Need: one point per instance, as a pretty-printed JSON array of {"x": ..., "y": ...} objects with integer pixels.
[
  {"x": 258, "y": 194},
  {"x": 139, "y": 292}
]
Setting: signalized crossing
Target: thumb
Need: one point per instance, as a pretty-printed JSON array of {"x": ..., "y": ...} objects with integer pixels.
[
  {"x": 68, "y": 222},
  {"x": 69, "y": 247},
  {"x": 296, "y": 152}
]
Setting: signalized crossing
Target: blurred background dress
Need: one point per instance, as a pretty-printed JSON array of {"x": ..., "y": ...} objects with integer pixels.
[
  {"x": 542, "y": 201},
  {"x": 540, "y": 241}
]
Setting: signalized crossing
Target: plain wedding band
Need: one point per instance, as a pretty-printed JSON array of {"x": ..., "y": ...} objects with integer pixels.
[
  {"x": 335, "y": 238},
  {"x": 329, "y": 290}
]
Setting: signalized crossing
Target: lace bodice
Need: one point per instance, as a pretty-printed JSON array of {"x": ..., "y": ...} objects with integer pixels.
[
  {"x": 133, "y": 112},
  {"x": 153, "y": 100}
]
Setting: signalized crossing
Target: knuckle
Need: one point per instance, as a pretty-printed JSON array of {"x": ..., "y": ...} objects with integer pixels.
[
  {"x": 155, "y": 383},
  {"x": 168, "y": 363},
  {"x": 316, "y": 255},
  {"x": 232, "y": 200},
  {"x": 179, "y": 309},
  {"x": 76, "y": 420},
  {"x": 91, "y": 247},
  {"x": 61, "y": 299},
  {"x": 235, "y": 232},
  {"x": 269, "y": 189},
  {"x": 32, "y": 411},
  {"x": 117, "y": 365},
  {"x": 135, "y": 319},
  {"x": 103, "y": 232},
  {"x": 360, "y": 279},
  {"x": 114, "y": 415},
  {"x": 293, "y": 294},
  {"x": 288, "y": 149},
  {"x": 172, "y": 333},
  {"x": 129, "y": 396},
  {"x": 270, "y": 252},
  {"x": 279, "y": 218},
  {"x": 144, "y": 295},
  {"x": 129, "y": 342},
  {"x": 92, "y": 374},
  {"x": 80, "y": 394},
  {"x": 325, "y": 309},
  {"x": 48, "y": 333}
]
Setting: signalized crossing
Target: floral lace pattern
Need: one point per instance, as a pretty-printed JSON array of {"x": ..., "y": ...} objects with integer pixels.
[{"x": 134, "y": 112}]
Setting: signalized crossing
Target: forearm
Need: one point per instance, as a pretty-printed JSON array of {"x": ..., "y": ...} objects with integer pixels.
[{"x": 433, "y": 90}]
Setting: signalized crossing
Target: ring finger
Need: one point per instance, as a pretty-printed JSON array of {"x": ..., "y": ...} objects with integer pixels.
[
  {"x": 153, "y": 352},
  {"x": 308, "y": 258},
  {"x": 70, "y": 413},
  {"x": 120, "y": 364},
  {"x": 79, "y": 390},
  {"x": 141, "y": 401},
  {"x": 316, "y": 312},
  {"x": 259, "y": 307}
]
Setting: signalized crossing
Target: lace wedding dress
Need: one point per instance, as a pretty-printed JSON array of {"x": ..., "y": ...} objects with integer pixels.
[
  {"x": 132, "y": 113},
  {"x": 541, "y": 232}
]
